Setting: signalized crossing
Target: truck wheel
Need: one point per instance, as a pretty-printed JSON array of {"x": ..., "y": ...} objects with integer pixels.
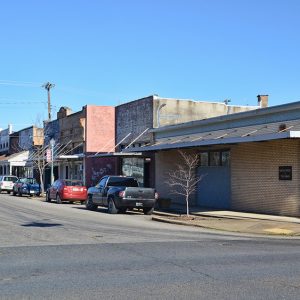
[
  {"x": 58, "y": 199},
  {"x": 148, "y": 210},
  {"x": 112, "y": 207},
  {"x": 89, "y": 203}
]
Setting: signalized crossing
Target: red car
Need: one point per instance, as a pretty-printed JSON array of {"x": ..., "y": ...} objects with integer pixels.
[{"x": 67, "y": 190}]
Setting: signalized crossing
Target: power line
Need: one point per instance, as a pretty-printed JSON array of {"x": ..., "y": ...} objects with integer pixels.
[
  {"x": 19, "y": 83},
  {"x": 22, "y": 102}
]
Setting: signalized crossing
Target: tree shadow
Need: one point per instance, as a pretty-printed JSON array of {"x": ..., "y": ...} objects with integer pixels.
[{"x": 41, "y": 224}]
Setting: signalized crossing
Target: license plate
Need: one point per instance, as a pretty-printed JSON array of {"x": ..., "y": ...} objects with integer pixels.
[
  {"x": 76, "y": 189},
  {"x": 138, "y": 204}
]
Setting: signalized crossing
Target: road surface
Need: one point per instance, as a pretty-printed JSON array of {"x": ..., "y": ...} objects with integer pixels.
[{"x": 51, "y": 251}]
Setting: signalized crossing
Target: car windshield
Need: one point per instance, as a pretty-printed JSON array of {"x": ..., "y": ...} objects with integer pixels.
[
  {"x": 9, "y": 178},
  {"x": 28, "y": 180},
  {"x": 119, "y": 181},
  {"x": 73, "y": 183}
]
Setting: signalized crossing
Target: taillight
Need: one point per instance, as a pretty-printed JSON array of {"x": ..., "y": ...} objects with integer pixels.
[
  {"x": 65, "y": 188},
  {"x": 156, "y": 196},
  {"x": 122, "y": 194}
]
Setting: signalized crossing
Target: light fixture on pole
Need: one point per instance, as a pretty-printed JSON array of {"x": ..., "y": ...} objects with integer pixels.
[{"x": 52, "y": 143}]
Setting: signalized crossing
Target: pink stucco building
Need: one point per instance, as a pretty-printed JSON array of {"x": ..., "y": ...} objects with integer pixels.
[{"x": 78, "y": 136}]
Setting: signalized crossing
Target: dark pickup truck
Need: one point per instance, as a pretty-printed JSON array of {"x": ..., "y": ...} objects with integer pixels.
[{"x": 120, "y": 193}]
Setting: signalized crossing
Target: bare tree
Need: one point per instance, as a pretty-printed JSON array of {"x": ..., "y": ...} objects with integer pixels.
[
  {"x": 39, "y": 161},
  {"x": 183, "y": 180}
]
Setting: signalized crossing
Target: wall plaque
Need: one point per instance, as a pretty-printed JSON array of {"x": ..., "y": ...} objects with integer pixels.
[{"x": 285, "y": 173}]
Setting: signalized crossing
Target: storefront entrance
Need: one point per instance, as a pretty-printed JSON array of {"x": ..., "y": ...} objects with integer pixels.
[{"x": 214, "y": 189}]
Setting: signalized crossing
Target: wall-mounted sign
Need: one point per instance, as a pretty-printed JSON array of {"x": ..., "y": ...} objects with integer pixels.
[{"x": 285, "y": 173}]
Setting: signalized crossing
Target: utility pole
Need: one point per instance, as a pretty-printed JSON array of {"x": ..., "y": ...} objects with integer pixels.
[
  {"x": 226, "y": 101},
  {"x": 48, "y": 86}
]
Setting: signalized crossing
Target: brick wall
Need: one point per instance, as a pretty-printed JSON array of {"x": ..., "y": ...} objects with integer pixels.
[
  {"x": 97, "y": 167},
  {"x": 165, "y": 162},
  {"x": 255, "y": 183},
  {"x": 134, "y": 117}
]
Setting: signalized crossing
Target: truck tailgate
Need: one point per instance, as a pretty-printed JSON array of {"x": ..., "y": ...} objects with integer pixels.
[{"x": 137, "y": 193}]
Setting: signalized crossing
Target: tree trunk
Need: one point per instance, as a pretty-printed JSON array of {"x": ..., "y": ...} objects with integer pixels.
[
  {"x": 42, "y": 183},
  {"x": 187, "y": 205}
]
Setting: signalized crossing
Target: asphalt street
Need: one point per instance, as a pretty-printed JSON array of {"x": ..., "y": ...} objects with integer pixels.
[{"x": 51, "y": 251}]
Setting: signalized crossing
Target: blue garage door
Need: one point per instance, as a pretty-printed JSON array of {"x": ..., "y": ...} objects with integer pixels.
[{"x": 214, "y": 190}]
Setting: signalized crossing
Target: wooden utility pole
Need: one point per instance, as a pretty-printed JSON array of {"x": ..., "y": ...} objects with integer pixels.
[{"x": 48, "y": 86}]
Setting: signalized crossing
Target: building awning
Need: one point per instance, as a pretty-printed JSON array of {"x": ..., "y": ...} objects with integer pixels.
[
  {"x": 118, "y": 154},
  {"x": 246, "y": 134},
  {"x": 16, "y": 159},
  {"x": 70, "y": 157}
]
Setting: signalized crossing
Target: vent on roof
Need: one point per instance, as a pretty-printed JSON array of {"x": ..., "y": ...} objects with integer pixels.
[{"x": 282, "y": 127}]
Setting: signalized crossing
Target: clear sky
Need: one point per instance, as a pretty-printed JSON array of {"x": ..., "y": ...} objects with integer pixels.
[{"x": 107, "y": 52}]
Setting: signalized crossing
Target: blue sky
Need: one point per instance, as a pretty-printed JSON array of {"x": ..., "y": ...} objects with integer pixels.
[{"x": 108, "y": 52}]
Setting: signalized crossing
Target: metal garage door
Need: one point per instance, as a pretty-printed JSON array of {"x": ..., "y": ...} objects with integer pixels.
[{"x": 214, "y": 190}]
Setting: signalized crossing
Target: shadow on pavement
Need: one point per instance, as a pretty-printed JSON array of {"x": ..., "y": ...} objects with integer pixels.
[{"x": 41, "y": 224}]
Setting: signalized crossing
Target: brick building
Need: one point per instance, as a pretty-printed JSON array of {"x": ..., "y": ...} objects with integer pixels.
[{"x": 249, "y": 160}]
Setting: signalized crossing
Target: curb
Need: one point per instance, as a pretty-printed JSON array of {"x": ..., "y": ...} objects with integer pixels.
[
  {"x": 160, "y": 219},
  {"x": 261, "y": 234}
]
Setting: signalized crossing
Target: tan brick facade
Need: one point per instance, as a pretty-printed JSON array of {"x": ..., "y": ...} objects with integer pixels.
[{"x": 255, "y": 184}]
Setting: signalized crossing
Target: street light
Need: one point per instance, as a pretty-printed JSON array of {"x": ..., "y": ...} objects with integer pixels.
[{"x": 52, "y": 143}]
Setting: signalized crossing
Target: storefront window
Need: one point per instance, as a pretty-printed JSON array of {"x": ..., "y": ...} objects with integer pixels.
[
  {"x": 214, "y": 158},
  {"x": 225, "y": 158},
  {"x": 204, "y": 159},
  {"x": 134, "y": 167}
]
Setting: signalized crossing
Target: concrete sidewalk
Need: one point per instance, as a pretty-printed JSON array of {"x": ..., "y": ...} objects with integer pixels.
[{"x": 230, "y": 221}]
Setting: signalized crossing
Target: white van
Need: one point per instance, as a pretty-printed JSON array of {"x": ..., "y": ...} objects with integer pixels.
[{"x": 7, "y": 183}]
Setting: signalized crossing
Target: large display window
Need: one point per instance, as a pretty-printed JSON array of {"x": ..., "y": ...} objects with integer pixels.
[{"x": 134, "y": 167}]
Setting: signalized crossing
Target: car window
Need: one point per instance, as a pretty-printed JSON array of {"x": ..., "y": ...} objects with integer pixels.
[
  {"x": 30, "y": 180},
  {"x": 55, "y": 183},
  {"x": 59, "y": 183},
  {"x": 122, "y": 181},
  {"x": 10, "y": 178},
  {"x": 73, "y": 183},
  {"x": 102, "y": 183}
]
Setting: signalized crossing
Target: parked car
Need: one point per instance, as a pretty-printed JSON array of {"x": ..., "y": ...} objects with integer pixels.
[
  {"x": 67, "y": 190},
  {"x": 120, "y": 193},
  {"x": 26, "y": 186},
  {"x": 7, "y": 183}
]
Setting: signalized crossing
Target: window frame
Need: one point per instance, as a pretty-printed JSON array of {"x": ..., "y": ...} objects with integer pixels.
[{"x": 221, "y": 162}]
